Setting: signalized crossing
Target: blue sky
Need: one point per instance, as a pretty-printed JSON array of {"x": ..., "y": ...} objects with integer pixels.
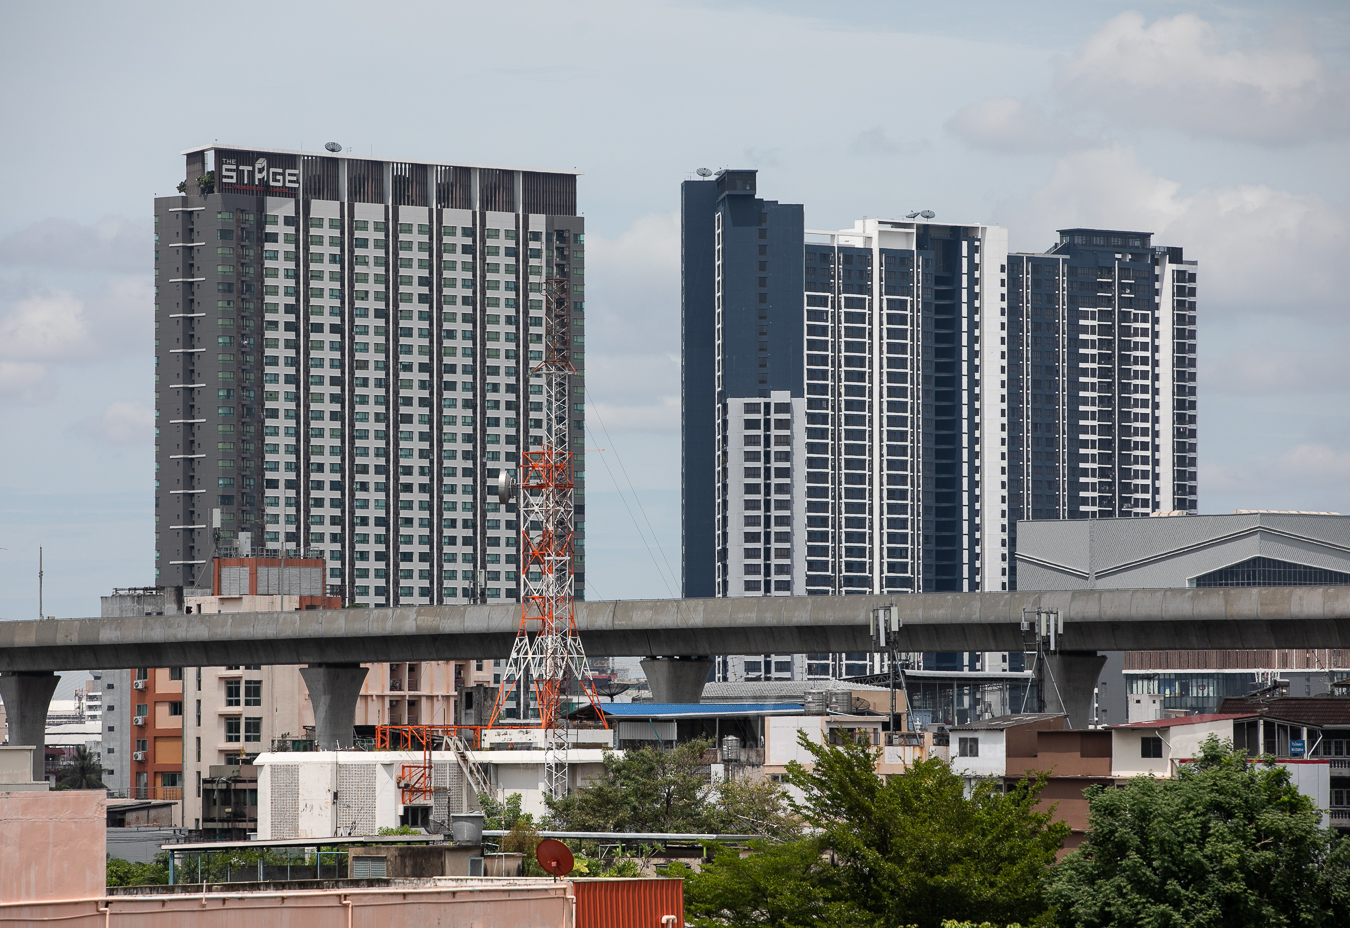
[{"x": 1219, "y": 127}]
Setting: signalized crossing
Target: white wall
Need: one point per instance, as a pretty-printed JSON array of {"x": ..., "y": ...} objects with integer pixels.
[
  {"x": 780, "y": 738},
  {"x": 992, "y": 760}
]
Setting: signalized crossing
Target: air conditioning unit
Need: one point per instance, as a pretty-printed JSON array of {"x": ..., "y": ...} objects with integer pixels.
[
  {"x": 138, "y": 684},
  {"x": 138, "y": 755},
  {"x": 138, "y": 721}
]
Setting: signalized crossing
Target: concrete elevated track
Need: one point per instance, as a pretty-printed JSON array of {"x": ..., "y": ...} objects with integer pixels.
[{"x": 334, "y": 642}]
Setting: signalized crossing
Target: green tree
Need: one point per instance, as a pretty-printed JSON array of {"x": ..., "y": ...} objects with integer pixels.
[
  {"x": 745, "y": 806},
  {"x": 908, "y": 849},
  {"x": 503, "y": 813},
  {"x": 644, "y": 790},
  {"x": 128, "y": 873},
  {"x": 1227, "y": 843},
  {"x": 84, "y": 771}
]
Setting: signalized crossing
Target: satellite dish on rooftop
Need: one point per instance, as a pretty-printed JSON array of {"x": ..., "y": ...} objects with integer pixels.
[
  {"x": 928, "y": 214},
  {"x": 333, "y": 146},
  {"x": 554, "y": 857},
  {"x": 704, "y": 172},
  {"x": 506, "y": 487}
]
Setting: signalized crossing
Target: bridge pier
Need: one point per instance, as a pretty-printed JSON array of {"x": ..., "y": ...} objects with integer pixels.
[
  {"x": 1070, "y": 678},
  {"x": 27, "y": 695},
  {"x": 333, "y": 690},
  {"x": 677, "y": 679}
]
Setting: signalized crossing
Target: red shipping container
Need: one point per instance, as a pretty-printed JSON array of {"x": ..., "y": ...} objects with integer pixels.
[{"x": 629, "y": 903}]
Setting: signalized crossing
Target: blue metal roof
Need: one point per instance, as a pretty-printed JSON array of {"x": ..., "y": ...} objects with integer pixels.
[{"x": 651, "y": 710}]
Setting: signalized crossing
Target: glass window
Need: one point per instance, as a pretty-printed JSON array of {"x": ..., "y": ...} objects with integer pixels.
[
  {"x": 232, "y": 692},
  {"x": 253, "y": 692},
  {"x": 232, "y": 730}
]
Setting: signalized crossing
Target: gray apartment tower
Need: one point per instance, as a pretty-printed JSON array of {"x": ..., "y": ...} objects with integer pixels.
[
  {"x": 871, "y": 410},
  {"x": 343, "y": 350}
]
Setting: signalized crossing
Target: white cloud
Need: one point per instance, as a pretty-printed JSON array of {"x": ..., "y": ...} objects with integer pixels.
[
  {"x": 1007, "y": 124},
  {"x": 1259, "y": 249},
  {"x": 1308, "y": 476},
  {"x": 48, "y": 327},
  {"x": 663, "y": 416},
  {"x": 633, "y": 325},
  {"x": 1263, "y": 371},
  {"x": 877, "y": 143},
  {"x": 1175, "y": 72},
  {"x": 111, "y": 244},
  {"x": 23, "y": 381},
  {"x": 121, "y": 423}
]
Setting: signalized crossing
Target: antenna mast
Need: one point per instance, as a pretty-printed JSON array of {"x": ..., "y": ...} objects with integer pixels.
[{"x": 547, "y": 649}]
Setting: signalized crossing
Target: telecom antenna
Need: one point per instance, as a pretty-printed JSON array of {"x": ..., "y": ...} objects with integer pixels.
[{"x": 547, "y": 650}]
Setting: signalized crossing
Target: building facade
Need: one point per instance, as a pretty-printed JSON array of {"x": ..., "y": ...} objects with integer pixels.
[
  {"x": 872, "y": 410},
  {"x": 1245, "y": 548},
  {"x": 1102, "y": 381},
  {"x": 343, "y": 353}
]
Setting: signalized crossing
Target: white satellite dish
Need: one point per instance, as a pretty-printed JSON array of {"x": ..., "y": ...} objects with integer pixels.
[
  {"x": 506, "y": 487},
  {"x": 704, "y": 172}
]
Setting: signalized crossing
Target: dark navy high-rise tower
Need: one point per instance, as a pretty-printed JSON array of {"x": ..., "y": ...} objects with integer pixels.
[
  {"x": 742, "y": 336},
  {"x": 873, "y": 409}
]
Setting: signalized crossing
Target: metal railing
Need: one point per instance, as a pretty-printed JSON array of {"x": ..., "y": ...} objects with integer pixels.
[{"x": 148, "y": 792}]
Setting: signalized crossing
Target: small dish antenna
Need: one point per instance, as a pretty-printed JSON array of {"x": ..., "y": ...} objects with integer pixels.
[
  {"x": 333, "y": 146},
  {"x": 925, "y": 214},
  {"x": 506, "y": 487},
  {"x": 704, "y": 172},
  {"x": 555, "y": 857}
]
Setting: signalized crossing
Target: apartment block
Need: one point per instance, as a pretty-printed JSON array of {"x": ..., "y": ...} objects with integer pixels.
[
  {"x": 1101, "y": 372},
  {"x": 343, "y": 365}
]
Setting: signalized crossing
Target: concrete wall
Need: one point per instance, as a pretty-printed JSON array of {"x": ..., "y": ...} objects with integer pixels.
[
  {"x": 518, "y": 904},
  {"x": 992, "y": 760},
  {"x": 51, "y": 845}
]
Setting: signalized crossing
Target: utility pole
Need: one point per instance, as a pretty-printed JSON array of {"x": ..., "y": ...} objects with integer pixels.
[{"x": 41, "y": 613}]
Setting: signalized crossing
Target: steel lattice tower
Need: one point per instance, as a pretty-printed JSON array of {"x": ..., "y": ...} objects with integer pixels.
[{"x": 547, "y": 649}]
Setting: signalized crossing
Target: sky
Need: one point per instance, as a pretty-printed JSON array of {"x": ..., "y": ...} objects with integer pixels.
[{"x": 1223, "y": 128}]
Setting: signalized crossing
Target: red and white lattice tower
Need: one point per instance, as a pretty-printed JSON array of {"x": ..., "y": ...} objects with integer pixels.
[{"x": 547, "y": 650}]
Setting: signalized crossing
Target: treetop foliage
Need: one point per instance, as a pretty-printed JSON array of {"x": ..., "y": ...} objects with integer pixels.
[{"x": 1228, "y": 843}]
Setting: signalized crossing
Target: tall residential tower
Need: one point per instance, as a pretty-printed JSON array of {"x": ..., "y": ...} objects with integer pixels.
[
  {"x": 871, "y": 410},
  {"x": 343, "y": 354}
]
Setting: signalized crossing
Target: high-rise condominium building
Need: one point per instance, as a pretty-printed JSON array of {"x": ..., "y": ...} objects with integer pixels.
[
  {"x": 871, "y": 410},
  {"x": 343, "y": 353}
]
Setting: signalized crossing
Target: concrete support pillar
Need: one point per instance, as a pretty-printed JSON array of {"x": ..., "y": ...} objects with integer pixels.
[
  {"x": 1069, "y": 680},
  {"x": 26, "y": 695},
  {"x": 333, "y": 689},
  {"x": 677, "y": 679}
]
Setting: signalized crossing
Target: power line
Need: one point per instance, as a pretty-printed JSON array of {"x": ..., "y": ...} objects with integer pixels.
[
  {"x": 641, "y": 535},
  {"x": 636, "y": 498}
]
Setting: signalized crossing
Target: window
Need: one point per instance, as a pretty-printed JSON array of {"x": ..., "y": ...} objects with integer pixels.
[
  {"x": 253, "y": 729},
  {"x": 175, "y": 673},
  {"x": 1150, "y": 747},
  {"x": 231, "y": 730},
  {"x": 176, "y": 708},
  {"x": 968, "y": 747},
  {"x": 231, "y": 692},
  {"x": 253, "y": 692}
]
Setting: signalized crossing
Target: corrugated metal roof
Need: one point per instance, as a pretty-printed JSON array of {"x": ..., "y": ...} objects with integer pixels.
[
  {"x": 1322, "y": 711},
  {"x": 654, "y": 710},
  {"x": 1003, "y": 722},
  {"x": 1186, "y": 720}
]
